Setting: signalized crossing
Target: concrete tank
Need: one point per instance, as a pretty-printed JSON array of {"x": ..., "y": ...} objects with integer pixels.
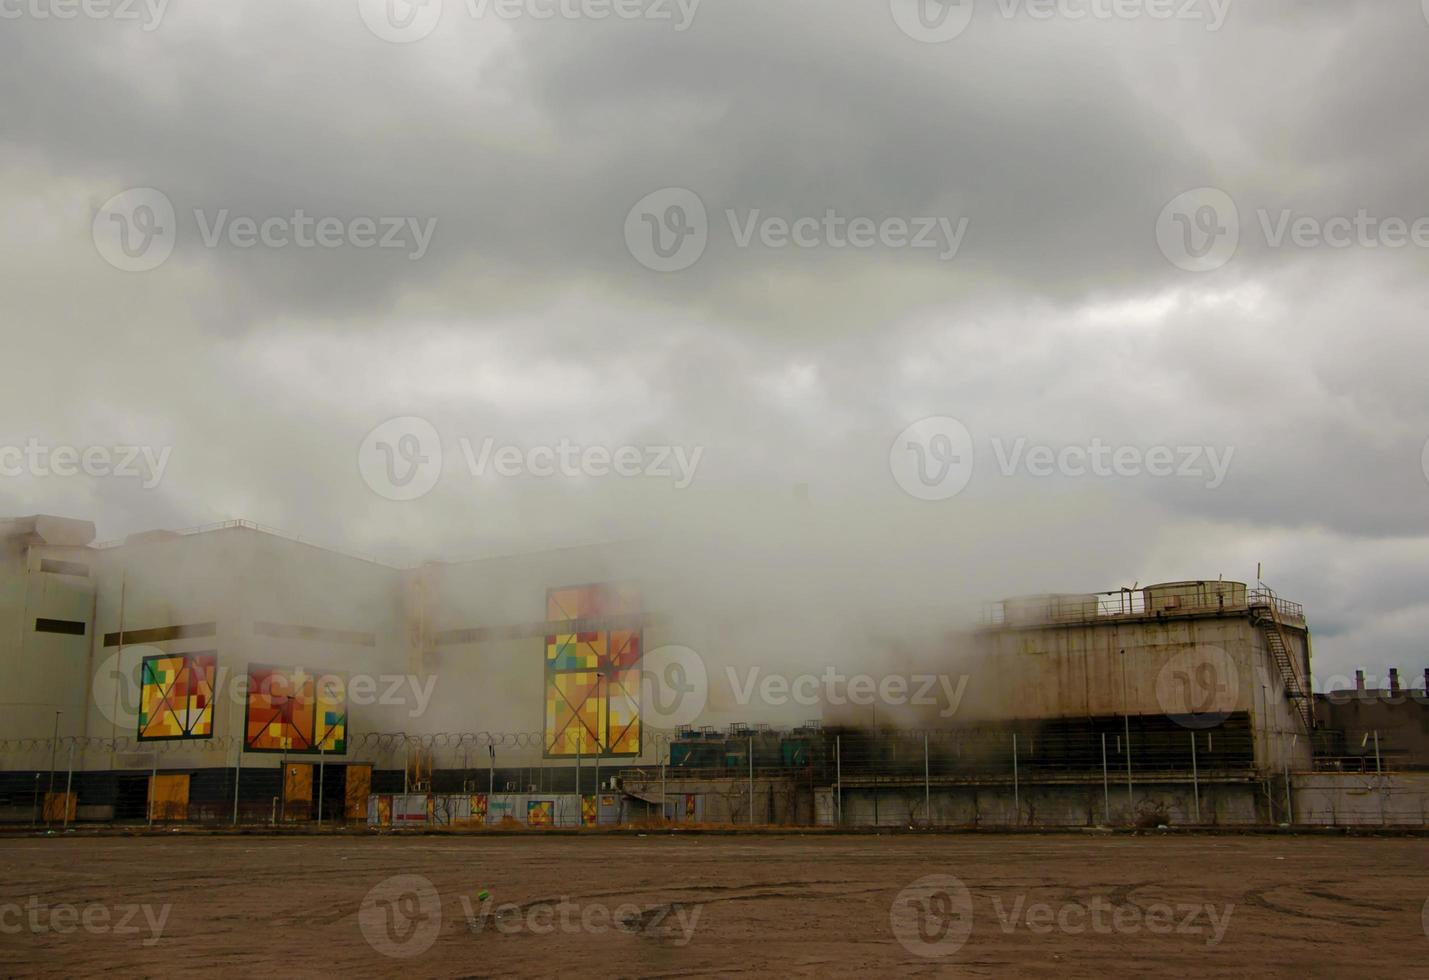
[{"x": 1200, "y": 596}]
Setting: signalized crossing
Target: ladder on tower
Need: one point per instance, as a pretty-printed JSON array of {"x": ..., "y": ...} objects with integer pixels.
[{"x": 1278, "y": 642}]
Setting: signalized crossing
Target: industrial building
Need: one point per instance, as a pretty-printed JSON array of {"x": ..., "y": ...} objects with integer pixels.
[{"x": 233, "y": 674}]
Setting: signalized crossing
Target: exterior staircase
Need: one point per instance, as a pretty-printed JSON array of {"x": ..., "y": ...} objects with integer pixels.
[{"x": 1265, "y": 610}]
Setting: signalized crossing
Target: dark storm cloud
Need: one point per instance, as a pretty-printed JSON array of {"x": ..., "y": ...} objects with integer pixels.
[{"x": 1060, "y": 322}]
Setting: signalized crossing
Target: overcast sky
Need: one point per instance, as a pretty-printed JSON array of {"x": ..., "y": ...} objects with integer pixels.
[{"x": 533, "y": 229}]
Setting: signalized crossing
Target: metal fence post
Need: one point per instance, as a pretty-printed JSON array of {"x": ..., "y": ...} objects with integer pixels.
[
  {"x": 1016, "y": 791},
  {"x": 321, "y": 772},
  {"x": 927, "y": 792},
  {"x": 1106, "y": 783},
  {"x": 69, "y": 781},
  {"x": 1289, "y": 810},
  {"x": 838, "y": 776},
  {"x": 751, "y": 780},
  {"x": 1379, "y": 777},
  {"x": 1195, "y": 778},
  {"x": 237, "y": 773}
]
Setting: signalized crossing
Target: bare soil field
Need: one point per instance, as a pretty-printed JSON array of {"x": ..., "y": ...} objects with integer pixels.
[{"x": 663, "y": 905}]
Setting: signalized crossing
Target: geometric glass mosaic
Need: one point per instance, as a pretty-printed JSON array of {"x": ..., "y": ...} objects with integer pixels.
[
  {"x": 294, "y": 710},
  {"x": 592, "y": 672},
  {"x": 176, "y": 696}
]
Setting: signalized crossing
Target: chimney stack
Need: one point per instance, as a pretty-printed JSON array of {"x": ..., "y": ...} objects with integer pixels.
[
  {"x": 1359, "y": 681},
  {"x": 1394, "y": 680}
]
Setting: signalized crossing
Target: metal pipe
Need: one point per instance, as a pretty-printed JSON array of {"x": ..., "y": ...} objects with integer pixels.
[
  {"x": 153, "y": 780},
  {"x": 839, "y": 776},
  {"x": 1195, "y": 778},
  {"x": 751, "y": 780}
]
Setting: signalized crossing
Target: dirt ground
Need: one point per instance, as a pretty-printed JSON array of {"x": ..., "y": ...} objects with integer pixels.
[{"x": 1064, "y": 906}]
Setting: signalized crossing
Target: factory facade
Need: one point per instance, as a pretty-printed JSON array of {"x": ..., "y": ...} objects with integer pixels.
[{"x": 234, "y": 674}]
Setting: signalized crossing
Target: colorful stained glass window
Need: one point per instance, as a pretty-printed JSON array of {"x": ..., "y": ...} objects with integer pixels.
[
  {"x": 593, "y": 671},
  {"x": 176, "y": 696},
  {"x": 292, "y": 709}
]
